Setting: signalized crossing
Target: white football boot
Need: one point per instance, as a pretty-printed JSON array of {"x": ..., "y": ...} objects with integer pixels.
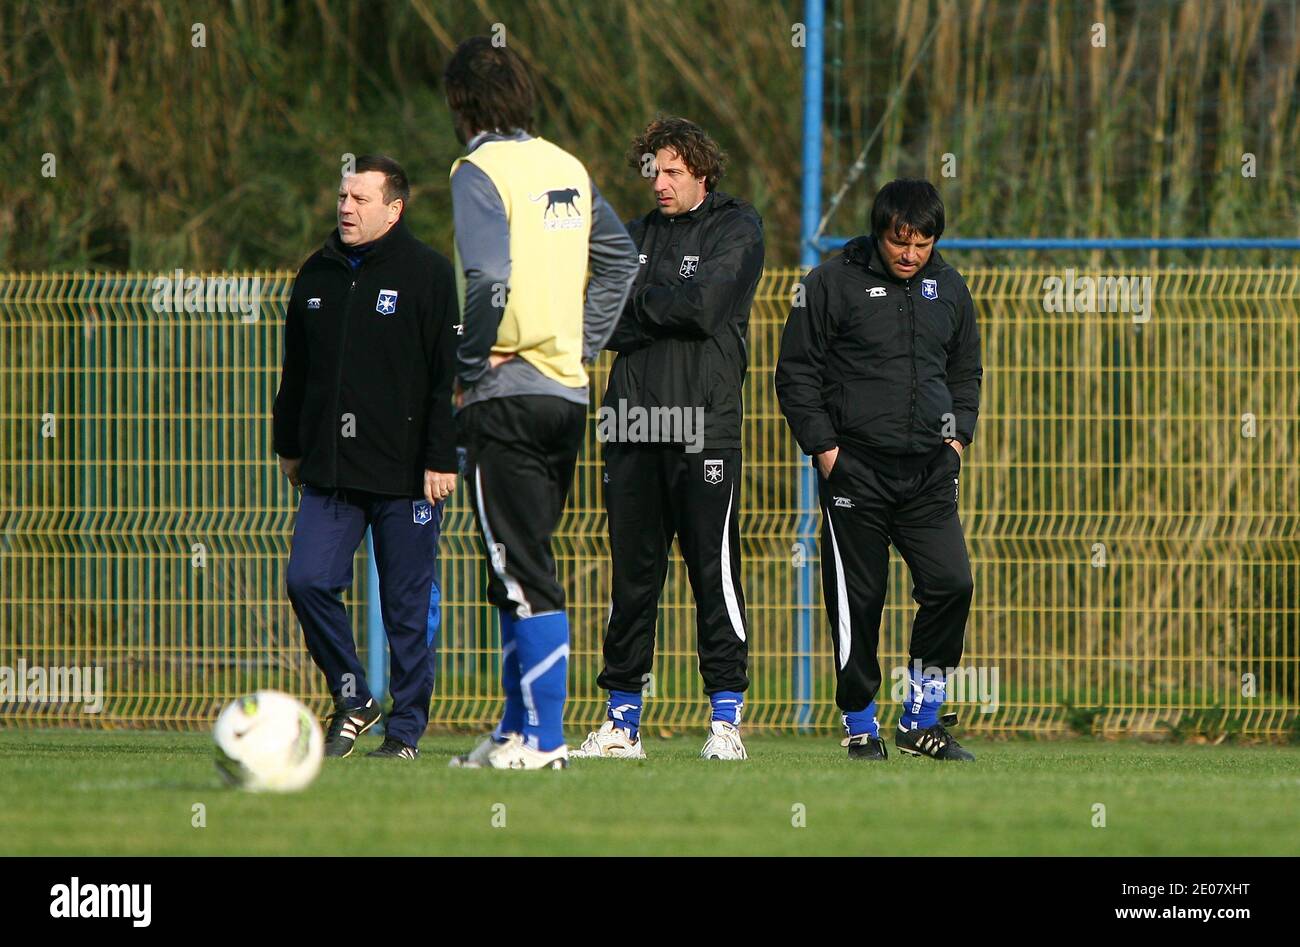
[
  {"x": 477, "y": 758},
  {"x": 724, "y": 743},
  {"x": 516, "y": 754},
  {"x": 611, "y": 742}
]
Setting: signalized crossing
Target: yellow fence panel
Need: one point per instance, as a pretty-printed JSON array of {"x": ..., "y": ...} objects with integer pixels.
[{"x": 1130, "y": 501}]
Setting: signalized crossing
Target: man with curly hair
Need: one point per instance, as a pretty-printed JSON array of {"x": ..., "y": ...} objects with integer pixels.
[{"x": 670, "y": 424}]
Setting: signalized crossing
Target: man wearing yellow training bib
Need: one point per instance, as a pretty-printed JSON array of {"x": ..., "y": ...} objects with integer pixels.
[{"x": 530, "y": 225}]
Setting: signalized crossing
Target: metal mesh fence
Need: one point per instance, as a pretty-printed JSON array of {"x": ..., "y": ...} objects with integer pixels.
[{"x": 1130, "y": 504}]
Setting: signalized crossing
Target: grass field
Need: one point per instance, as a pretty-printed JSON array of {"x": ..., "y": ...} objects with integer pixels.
[{"x": 128, "y": 793}]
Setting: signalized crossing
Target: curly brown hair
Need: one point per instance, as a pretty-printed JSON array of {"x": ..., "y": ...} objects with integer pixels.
[{"x": 689, "y": 141}]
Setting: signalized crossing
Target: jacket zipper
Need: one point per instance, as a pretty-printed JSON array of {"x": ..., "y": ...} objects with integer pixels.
[
  {"x": 911, "y": 322},
  {"x": 338, "y": 375}
]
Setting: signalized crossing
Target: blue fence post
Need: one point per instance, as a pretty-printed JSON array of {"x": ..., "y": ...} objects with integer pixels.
[
  {"x": 811, "y": 193},
  {"x": 376, "y": 639}
]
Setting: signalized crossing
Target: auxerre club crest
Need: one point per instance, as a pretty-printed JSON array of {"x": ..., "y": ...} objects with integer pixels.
[
  {"x": 929, "y": 289},
  {"x": 387, "y": 302},
  {"x": 689, "y": 265},
  {"x": 421, "y": 512},
  {"x": 713, "y": 471}
]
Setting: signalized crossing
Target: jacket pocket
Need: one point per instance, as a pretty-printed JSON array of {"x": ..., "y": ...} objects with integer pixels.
[
  {"x": 837, "y": 471},
  {"x": 951, "y": 465}
]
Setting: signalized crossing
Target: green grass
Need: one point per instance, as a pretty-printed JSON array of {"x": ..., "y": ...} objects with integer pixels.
[{"x": 130, "y": 793}]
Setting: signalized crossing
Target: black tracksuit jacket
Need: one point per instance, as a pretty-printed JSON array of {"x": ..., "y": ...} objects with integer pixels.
[
  {"x": 878, "y": 364},
  {"x": 353, "y": 348},
  {"x": 682, "y": 336}
]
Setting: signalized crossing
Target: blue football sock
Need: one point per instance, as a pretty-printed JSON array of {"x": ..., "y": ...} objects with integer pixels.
[
  {"x": 859, "y": 722},
  {"x": 925, "y": 695},
  {"x": 727, "y": 706},
  {"x": 625, "y": 710},
  {"x": 512, "y": 720},
  {"x": 542, "y": 643}
]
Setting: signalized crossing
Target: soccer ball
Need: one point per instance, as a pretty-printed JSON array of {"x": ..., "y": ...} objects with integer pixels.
[{"x": 268, "y": 742}]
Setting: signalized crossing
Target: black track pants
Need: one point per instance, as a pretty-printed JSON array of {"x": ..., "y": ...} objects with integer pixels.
[
  {"x": 519, "y": 460},
  {"x": 863, "y": 510},
  {"x": 653, "y": 493}
]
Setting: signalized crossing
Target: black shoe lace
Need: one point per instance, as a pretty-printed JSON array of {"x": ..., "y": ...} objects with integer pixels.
[
  {"x": 943, "y": 737},
  {"x": 939, "y": 739}
]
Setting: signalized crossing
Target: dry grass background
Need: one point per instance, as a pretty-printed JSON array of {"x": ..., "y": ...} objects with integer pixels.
[{"x": 227, "y": 155}]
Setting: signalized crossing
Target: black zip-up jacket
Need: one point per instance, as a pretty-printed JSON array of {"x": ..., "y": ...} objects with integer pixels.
[
  {"x": 375, "y": 347},
  {"x": 883, "y": 367},
  {"x": 682, "y": 336}
]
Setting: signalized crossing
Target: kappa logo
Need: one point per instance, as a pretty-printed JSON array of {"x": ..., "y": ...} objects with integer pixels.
[
  {"x": 421, "y": 512},
  {"x": 387, "y": 302},
  {"x": 689, "y": 265},
  {"x": 561, "y": 197},
  {"x": 843, "y": 502},
  {"x": 313, "y": 303},
  {"x": 713, "y": 471},
  {"x": 929, "y": 289},
  {"x": 877, "y": 291}
]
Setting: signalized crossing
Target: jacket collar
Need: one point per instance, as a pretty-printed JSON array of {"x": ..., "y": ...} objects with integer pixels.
[
  {"x": 712, "y": 200},
  {"x": 865, "y": 252},
  {"x": 517, "y": 134},
  {"x": 390, "y": 243}
]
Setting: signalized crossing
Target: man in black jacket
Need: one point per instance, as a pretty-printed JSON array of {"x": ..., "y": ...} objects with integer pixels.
[
  {"x": 671, "y": 425},
  {"x": 879, "y": 378},
  {"x": 363, "y": 424}
]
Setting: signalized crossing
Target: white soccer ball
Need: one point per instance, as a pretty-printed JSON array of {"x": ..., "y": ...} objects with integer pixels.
[{"x": 268, "y": 742}]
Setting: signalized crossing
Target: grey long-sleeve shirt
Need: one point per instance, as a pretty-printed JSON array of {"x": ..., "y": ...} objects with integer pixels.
[{"x": 483, "y": 242}]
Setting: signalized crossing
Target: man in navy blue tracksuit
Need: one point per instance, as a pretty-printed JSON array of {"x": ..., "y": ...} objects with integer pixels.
[{"x": 363, "y": 425}]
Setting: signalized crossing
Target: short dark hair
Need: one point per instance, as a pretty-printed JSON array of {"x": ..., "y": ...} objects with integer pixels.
[
  {"x": 395, "y": 183},
  {"x": 489, "y": 88},
  {"x": 908, "y": 204},
  {"x": 700, "y": 153}
]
